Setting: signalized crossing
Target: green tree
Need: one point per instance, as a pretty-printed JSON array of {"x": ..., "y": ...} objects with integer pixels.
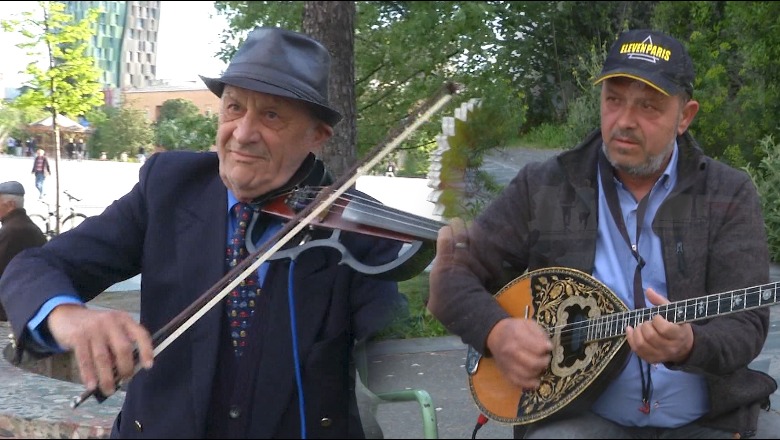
[
  {"x": 177, "y": 108},
  {"x": 399, "y": 61},
  {"x": 182, "y": 127},
  {"x": 119, "y": 130},
  {"x": 70, "y": 81}
]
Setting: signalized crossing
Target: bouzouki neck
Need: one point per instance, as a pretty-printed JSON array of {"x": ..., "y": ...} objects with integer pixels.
[{"x": 689, "y": 310}]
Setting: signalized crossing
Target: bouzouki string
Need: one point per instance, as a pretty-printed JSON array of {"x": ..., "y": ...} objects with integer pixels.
[{"x": 610, "y": 193}]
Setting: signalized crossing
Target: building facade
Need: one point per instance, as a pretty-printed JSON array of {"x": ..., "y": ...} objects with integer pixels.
[
  {"x": 125, "y": 45},
  {"x": 150, "y": 99}
]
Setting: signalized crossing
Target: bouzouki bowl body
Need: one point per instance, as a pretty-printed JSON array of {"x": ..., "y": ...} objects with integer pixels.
[{"x": 561, "y": 300}]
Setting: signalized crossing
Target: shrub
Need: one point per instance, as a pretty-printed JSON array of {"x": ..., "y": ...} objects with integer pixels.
[{"x": 766, "y": 177}]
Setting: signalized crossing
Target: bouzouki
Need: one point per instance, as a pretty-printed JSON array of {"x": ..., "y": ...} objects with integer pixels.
[{"x": 586, "y": 322}]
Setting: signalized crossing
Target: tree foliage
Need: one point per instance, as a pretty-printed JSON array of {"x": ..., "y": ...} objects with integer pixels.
[
  {"x": 70, "y": 82},
  {"x": 119, "y": 130},
  {"x": 399, "y": 60},
  {"x": 182, "y": 127}
]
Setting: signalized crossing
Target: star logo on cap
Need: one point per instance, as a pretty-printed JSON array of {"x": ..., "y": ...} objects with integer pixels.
[{"x": 643, "y": 56}]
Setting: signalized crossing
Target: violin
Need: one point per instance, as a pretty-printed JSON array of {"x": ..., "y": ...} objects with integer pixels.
[
  {"x": 312, "y": 211},
  {"x": 362, "y": 215}
]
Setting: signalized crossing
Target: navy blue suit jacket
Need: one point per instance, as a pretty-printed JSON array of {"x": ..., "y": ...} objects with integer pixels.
[{"x": 171, "y": 228}]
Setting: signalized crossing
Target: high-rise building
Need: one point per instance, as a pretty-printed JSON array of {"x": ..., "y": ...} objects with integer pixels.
[{"x": 125, "y": 45}]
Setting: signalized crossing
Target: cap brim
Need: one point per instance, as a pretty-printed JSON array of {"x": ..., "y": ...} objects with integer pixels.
[
  {"x": 665, "y": 87},
  {"x": 217, "y": 86}
]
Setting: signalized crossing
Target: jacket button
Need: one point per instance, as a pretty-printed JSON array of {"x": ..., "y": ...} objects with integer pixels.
[
  {"x": 138, "y": 426},
  {"x": 235, "y": 412},
  {"x": 326, "y": 422}
]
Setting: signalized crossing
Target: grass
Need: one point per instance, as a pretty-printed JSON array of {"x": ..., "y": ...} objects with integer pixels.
[
  {"x": 545, "y": 136},
  {"x": 419, "y": 323}
]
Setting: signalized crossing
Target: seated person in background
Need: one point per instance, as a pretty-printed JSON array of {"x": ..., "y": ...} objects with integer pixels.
[{"x": 18, "y": 232}]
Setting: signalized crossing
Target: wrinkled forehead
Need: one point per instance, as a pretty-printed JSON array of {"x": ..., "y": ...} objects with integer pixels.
[
  {"x": 242, "y": 94},
  {"x": 261, "y": 99}
]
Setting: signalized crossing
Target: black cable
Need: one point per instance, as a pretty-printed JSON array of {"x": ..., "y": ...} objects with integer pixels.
[{"x": 481, "y": 420}]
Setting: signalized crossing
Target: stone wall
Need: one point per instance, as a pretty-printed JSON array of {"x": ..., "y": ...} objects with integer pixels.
[{"x": 34, "y": 404}]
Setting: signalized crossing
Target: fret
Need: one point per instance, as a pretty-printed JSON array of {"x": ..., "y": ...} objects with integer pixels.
[{"x": 688, "y": 310}]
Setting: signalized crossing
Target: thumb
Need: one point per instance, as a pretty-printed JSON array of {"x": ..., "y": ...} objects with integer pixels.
[{"x": 655, "y": 298}]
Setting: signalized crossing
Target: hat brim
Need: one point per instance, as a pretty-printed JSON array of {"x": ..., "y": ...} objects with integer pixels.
[
  {"x": 666, "y": 87},
  {"x": 217, "y": 86}
]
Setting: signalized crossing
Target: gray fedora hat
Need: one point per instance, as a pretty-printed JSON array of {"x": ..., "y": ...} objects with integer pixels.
[{"x": 282, "y": 63}]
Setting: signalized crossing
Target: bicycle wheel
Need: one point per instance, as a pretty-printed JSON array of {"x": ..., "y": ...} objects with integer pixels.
[
  {"x": 40, "y": 221},
  {"x": 72, "y": 221}
]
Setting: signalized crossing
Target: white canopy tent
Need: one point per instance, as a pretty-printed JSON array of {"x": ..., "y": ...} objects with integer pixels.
[{"x": 64, "y": 123}]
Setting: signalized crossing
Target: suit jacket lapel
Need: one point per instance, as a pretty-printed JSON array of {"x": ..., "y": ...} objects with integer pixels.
[{"x": 201, "y": 237}]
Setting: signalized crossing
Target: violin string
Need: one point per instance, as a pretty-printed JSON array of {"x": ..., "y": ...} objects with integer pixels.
[{"x": 377, "y": 210}]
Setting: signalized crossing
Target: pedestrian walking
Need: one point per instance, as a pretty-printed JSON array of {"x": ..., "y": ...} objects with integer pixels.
[{"x": 41, "y": 169}]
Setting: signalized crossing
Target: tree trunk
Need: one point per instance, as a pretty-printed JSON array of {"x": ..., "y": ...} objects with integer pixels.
[{"x": 333, "y": 24}]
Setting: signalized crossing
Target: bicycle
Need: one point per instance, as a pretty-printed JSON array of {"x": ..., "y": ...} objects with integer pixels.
[{"x": 47, "y": 224}]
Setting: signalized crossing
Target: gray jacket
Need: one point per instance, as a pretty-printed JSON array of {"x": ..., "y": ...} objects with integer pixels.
[{"x": 713, "y": 239}]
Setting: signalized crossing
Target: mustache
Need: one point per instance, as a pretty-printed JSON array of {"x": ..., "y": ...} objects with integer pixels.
[{"x": 626, "y": 134}]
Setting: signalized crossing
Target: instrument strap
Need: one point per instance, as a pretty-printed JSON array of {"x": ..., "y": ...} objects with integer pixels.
[{"x": 610, "y": 193}]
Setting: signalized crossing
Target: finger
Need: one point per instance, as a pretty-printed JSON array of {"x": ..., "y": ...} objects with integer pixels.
[
  {"x": 459, "y": 233},
  {"x": 122, "y": 347},
  {"x": 86, "y": 366},
  {"x": 105, "y": 367},
  {"x": 143, "y": 343},
  {"x": 445, "y": 238}
]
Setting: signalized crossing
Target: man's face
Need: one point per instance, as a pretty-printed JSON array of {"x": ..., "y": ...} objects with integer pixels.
[
  {"x": 262, "y": 140},
  {"x": 6, "y": 205},
  {"x": 639, "y": 125}
]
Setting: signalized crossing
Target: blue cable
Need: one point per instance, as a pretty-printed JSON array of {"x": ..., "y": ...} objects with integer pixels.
[{"x": 297, "y": 361}]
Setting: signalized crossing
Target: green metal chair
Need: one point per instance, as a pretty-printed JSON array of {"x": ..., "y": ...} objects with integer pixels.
[{"x": 372, "y": 400}]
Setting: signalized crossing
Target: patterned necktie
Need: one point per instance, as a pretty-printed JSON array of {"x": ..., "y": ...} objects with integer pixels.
[{"x": 241, "y": 300}]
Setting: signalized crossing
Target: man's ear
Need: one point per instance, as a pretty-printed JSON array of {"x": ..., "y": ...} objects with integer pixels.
[
  {"x": 689, "y": 111},
  {"x": 321, "y": 133}
]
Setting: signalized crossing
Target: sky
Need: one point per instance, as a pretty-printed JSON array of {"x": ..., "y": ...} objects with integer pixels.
[{"x": 188, "y": 39}]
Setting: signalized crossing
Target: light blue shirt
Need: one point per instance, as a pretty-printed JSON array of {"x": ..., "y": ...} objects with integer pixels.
[
  {"x": 37, "y": 325},
  {"x": 677, "y": 398}
]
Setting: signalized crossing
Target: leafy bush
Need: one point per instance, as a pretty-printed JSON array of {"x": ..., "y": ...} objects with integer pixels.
[{"x": 766, "y": 177}]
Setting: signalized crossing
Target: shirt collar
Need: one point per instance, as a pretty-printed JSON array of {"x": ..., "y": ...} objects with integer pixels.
[{"x": 231, "y": 200}]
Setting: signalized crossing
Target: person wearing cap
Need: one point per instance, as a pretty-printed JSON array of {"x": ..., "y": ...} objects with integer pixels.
[
  {"x": 18, "y": 231},
  {"x": 659, "y": 222},
  {"x": 269, "y": 360}
]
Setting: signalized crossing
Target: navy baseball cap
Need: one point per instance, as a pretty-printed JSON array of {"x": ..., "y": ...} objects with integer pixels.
[
  {"x": 13, "y": 187},
  {"x": 652, "y": 57}
]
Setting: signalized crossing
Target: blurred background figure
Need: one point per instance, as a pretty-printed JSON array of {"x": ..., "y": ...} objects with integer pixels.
[{"x": 41, "y": 169}]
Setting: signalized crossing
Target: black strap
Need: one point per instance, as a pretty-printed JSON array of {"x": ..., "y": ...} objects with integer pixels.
[{"x": 610, "y": 193}]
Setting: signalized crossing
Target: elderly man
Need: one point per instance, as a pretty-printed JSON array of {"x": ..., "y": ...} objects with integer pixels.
[
  {"x": 18, "y": 232},
  {"x": 272, "y": 359}
]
